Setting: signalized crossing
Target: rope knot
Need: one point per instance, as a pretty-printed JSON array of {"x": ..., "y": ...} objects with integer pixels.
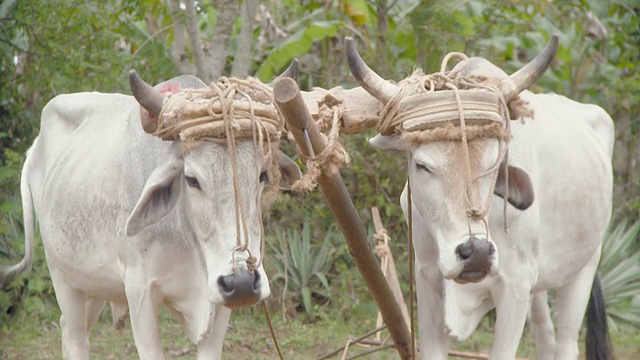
[
  {"x": 252, "y": 263},
  {"x": 474, "y": 214},
  {"x": 328, "y": 162}
]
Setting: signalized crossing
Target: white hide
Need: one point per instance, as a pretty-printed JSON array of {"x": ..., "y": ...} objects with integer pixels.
[
  {"x": 566, "y": 150},
  {"x": 91, "y": 166}
]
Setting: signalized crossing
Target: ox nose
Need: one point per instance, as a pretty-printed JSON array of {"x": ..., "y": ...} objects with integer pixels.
[
  {"x": 476, "y": 256},
  {"x": 241, "y": 288}
]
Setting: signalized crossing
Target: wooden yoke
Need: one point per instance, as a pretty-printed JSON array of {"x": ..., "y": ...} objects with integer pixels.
[
  {"x": 358, "y": 109},
  {"x": 292, "y": 106}
]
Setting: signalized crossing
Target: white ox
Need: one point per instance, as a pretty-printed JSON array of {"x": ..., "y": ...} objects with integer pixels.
[
  {"x": 128, "y": 218},
  {"x": 559, "y": 189}
]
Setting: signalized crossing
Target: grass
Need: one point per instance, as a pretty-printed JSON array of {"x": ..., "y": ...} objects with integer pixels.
[{"x": 248, "y": 337}]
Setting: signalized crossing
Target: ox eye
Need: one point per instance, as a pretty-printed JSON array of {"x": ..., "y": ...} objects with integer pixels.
[
  {"x": 193, "y": 182},
  {"x": 422, "y": 167},
  {"x": 264, "y": 177}
]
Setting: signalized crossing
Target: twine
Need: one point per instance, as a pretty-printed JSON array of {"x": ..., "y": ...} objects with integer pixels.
[
  {"x": 382, "y": 249},
  {"x": 229, "y": 110},
  {"x": 329, "y": 161}
]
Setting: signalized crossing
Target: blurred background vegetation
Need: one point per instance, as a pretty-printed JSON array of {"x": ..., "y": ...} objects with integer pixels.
[{"x": 49, "y": 47}]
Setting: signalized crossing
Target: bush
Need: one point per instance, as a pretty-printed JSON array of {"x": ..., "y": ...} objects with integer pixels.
[
  {"x": 302, "y": 266},
  {"x": 620, "y": 273}
]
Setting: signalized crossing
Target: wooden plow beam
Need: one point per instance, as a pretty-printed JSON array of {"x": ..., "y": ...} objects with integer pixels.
[
  {"x": 292, "y": 106},
  {"x": 387, "y": 265}
]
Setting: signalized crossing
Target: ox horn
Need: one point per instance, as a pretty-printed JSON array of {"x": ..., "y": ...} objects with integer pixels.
[
  {"x": 373, "y": 83},
  {"x": 531, "y": 72},
  {"x": 149, "y": 98},
  {"x": 292, "y": 71}
]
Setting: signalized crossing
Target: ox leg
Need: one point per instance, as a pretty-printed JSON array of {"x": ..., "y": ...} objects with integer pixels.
[
  {"x": 542, "y": 326},
  {"x": 93, "y": 308},
  {"x": 210, "y": 343},
  {"x": 143, "y": 310},
  {"x": 73, "y": 321},
  {"x": 571, "y": 303},
  {"x": 434, "y": 339},
  {"x": 512, "y": 303}
]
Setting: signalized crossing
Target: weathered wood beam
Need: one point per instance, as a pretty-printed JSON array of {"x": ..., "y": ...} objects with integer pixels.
[{"x": 292, "y": 106}]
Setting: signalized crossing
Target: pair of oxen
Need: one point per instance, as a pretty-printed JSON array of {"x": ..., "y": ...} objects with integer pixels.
[{"x": 144, "y": 222}]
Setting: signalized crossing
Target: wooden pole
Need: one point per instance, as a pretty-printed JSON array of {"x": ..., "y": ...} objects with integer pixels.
[{"x": 293, "y": 108}]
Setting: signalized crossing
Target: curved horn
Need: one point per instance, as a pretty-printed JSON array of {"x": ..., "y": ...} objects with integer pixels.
[
  {"x": 531, "y": 72},
  {"x": 373, "y": 83},
  {"x": 148, "y": 97},
  {"x": 292, "y": 71}
]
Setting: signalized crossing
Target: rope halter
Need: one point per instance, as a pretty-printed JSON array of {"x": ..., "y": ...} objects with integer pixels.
[
  {"x": 446, "y": 106},
  {"x": 228, "y": 110}
]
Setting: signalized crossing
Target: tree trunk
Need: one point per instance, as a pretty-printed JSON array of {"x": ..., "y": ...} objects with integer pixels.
[
  {"x": 194, "y": 37},
  {"x": 219, "y": 45},
  {"x": 242, "y": 60},
  {"x": 177, "y": 52},
  {"x": 382, "y": 10}
]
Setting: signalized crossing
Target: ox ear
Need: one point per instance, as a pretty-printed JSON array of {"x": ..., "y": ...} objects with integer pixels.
[
  {"x": 389, "y": 142},
  {"x": 289, "y": 171},
  {"x": 160, "y": 194},
  {"x": 521, "y": 194}
]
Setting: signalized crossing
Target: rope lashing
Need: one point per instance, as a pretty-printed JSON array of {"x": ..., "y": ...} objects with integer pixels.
[
  {"x": 226, "y": 111},
  {"x": 382, "y": 249},
  {"x": 329, "y": 161},
  {"x": 199, "y": 114},
  {"x": 446, "y": 106}
]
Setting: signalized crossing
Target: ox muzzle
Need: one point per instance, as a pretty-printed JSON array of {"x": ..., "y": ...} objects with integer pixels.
[
  {"x": 242, "y": 288},
  {"x": 477, "y": 256}
]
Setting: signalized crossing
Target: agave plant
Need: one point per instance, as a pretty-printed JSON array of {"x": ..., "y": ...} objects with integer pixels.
[
  {"x": 302, "y": 265},
  {"x": 620, "y": 272}
]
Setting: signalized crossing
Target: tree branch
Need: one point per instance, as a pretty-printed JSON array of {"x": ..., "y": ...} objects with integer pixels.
[
  {"x": 194, "y": 37},
  {"x": 177, "y": 52},
  {"x": 219, "y": 45},
  {"x": 242, "y": 60}
]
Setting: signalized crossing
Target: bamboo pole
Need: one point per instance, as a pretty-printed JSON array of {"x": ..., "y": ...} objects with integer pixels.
[{"x": 290, "y": 103}]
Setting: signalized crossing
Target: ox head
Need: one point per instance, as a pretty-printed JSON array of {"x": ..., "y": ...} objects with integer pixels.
[
  {"x": 445, "y": 176},
  {"x": 218, "y": 210}
]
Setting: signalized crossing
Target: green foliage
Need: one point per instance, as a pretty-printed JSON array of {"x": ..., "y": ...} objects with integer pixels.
[
  {"x": 295, "y": 45},
  {"x": 620, "y": 273},
  {"x": 10, "y": 207},
  {"x": 31, "y": 291},
  {"x": 301, "y": 265}
]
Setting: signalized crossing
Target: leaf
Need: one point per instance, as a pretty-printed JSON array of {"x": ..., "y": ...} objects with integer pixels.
[
  {"x": 323, "y": 280},
  {"x": 306, "y": 300},
  {"x": 33, "y": 304},
  {"x": 5, "y": 7},
  {"x": 620, "y": 272},
  {"x": 296, "y": 44},
  {"x": 356, "y": 10}
]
